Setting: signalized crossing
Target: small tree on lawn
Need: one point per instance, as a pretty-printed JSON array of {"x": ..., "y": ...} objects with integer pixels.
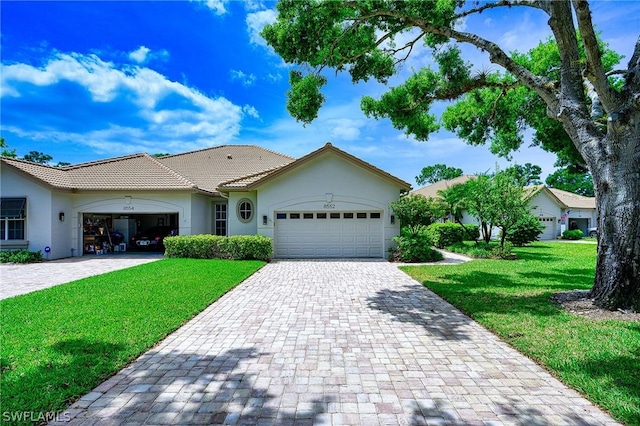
[
  {"x": 475, "y": 195},
  {"x": 417, "y": 211},
  {"x": 508, "y": 204}
]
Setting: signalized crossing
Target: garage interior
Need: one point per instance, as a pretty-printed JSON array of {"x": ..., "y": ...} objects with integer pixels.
[{"x": 112, "y": 232}]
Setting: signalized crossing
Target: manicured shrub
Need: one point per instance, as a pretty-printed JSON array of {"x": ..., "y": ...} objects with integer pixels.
[
  {"x": 525, "y": 231},
  {"x": 415, "y": 248},
  {"x": 20, "y": 256},
  {"x": 445, "y": 234},
  {"x": 237, "y": 247},
  {"x": 573, "y": 234}
]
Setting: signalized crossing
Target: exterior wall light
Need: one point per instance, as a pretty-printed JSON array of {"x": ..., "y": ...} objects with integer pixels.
[
  {"x": 264, "y": 219},
  {"x": 61, "y": 216},
  {"x": 393, "y": 219}
]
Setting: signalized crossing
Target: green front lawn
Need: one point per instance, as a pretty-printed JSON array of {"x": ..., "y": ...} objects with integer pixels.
[
  {"x": 59, "y": 343},
  {"x": 600, "y": 359}
]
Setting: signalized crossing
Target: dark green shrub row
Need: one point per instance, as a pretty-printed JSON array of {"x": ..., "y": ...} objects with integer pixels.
[
  {"x": 574, "y": 234},
  {"x": 20, "y": 256},
  {"x": 482, "y": 250},
  {"x": 237, "y": 247},
  {"x": 415, "y": 248}
]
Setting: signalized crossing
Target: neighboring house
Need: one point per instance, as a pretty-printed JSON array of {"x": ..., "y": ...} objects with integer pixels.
[
  {"x": 558, "y": 210},
  {"x": 325, "y": 204}
]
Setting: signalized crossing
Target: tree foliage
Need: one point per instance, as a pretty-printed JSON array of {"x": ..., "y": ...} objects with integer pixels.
[
  {"x": 568, "y": 179},
  {"x": 565, "y": 90},
  {"x": 436, "y": 173},
  {"x": 5, "y": 151},
  {"x": 37, "y": 157},
  {"x": 525, "y": 175},
  {"x": 416, "y": 211}
]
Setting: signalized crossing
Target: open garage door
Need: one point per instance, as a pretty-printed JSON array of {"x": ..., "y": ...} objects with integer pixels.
[
  {"x": 328, "y": 234},
  {"x": 113, "y": 232}
]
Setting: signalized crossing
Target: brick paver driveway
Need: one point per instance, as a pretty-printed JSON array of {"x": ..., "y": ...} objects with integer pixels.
[
  {"x": 333, "y": 342},
  {"x": 16, "y": 279}
]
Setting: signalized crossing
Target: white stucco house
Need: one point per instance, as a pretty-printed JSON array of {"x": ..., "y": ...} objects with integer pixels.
[
  {"x": 558, "y": 210},
  {"x": 326, "y": 204}
]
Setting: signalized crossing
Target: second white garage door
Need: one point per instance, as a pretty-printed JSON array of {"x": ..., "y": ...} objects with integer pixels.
[{"x": 328, "y": 234}]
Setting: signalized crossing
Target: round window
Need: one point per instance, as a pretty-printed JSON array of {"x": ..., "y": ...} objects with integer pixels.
[{"x": 245, "y": 210}]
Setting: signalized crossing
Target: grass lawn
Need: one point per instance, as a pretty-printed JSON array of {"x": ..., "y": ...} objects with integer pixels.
[
  {"x": 600, "y": 359},
  {"x": 59, "y": 343}
]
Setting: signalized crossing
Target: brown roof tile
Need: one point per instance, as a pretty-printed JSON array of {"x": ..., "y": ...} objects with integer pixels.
[
  {"x": 212, "y": 166},
  {"x": 249, "y": 181},
  {"x": 432, "y": 190},
  {"x": 574, "y": 201}
]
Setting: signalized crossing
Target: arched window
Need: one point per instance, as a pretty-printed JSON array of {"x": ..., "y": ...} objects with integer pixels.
[{"x": 245, "y": 210}]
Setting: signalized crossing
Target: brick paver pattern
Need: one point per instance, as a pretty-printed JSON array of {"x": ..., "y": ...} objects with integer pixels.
[{"x": 333, "y": 342}]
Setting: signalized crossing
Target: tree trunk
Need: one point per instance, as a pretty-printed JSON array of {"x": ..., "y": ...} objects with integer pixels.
[{"x": 616, "y": 177}]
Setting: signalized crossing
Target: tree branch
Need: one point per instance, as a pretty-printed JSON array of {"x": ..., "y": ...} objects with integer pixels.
[
  {"x": 502, "y": 3},
  {"x": 594, "y": 70}
]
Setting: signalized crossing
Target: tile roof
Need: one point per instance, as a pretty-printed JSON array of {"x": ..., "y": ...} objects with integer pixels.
[
  {"x": 250, "y": 181},
  {"x": 212, "y": 166},
  {"x": 201, "y": 170},
  {"x": 574, "y": 201},
  {"x": 132, "y": 172},
  {"x": 432, "y": 190}
]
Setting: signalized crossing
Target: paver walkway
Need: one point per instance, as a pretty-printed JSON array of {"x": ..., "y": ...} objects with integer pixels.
[
  {"x": 333, "y": 342},
  {"x": 16, "y": 279}
]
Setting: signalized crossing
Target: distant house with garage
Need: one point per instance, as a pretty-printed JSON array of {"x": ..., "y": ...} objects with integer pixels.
[
  {"x": 326, "y": 204},
  {"x": 557, "y": 210}
]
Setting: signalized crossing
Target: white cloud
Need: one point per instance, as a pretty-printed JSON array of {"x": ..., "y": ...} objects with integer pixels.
[
  {"x": 143, "y": 55},
  {"x": 148, "y": 111},
  {"x": 244, "y": 78},
  {"x": 345, "y": 128},
  {"x": 140, "y": 54},
  {"x": 256, "y": 22},
  {"x": 250, "y": 111},
  {"x": 216, "y": 6}
]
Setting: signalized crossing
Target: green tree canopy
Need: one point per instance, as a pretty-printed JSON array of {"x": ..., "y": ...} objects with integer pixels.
[
  {"x": 525, "y": 175},
  {"x": 436, "y": 173},
  {"x": 416, "y": 211},
  {"x": 569, "y": 179}
]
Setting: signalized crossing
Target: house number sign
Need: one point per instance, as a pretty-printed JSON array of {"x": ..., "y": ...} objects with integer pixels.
[
  {"x": 127, "y": 208},
  {"x": 329, "y": 206}
]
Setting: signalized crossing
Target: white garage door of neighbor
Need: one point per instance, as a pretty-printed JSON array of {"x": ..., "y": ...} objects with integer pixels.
[
  {"x": 328, "y": 234},
  {"x": 549, "y": 232}
]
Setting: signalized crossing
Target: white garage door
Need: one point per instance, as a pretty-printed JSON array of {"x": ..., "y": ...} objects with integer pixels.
[
  {"x": 549, "y": 232},
  {"x": 328, "y": 234}
]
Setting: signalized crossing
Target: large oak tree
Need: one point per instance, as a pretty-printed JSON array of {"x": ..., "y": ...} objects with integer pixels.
[{"x": 565, "y": 90}]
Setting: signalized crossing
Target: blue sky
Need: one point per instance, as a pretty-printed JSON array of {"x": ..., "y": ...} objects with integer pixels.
[{"x": 83, "y": 81}]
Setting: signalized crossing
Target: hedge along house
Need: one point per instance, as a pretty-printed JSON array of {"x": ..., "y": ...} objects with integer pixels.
[
  {"x": 556, "y": 209},
  {"x": 325, "y": 204}
]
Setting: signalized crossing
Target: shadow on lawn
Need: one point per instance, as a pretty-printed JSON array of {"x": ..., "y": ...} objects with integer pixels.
[
  {"x": 474, "y": 293},
  {"x": 574, "y": 278}
]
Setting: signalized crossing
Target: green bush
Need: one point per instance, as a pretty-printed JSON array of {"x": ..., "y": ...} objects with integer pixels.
[
  {"x": 471, "y": 232},
  {"x": 20, "y": 256},
  {"x": 237, "y": 247},
  {"x": 525, "y": 231},
  {"x": 445, "y": 234},
  {"x": 503, "y": 252},
  {"x": 574, "y": 234},
  {"x": 415, "y": 248}
]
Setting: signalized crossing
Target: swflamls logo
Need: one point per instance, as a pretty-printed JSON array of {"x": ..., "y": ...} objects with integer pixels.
[{"x": 34, "y": 417}]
